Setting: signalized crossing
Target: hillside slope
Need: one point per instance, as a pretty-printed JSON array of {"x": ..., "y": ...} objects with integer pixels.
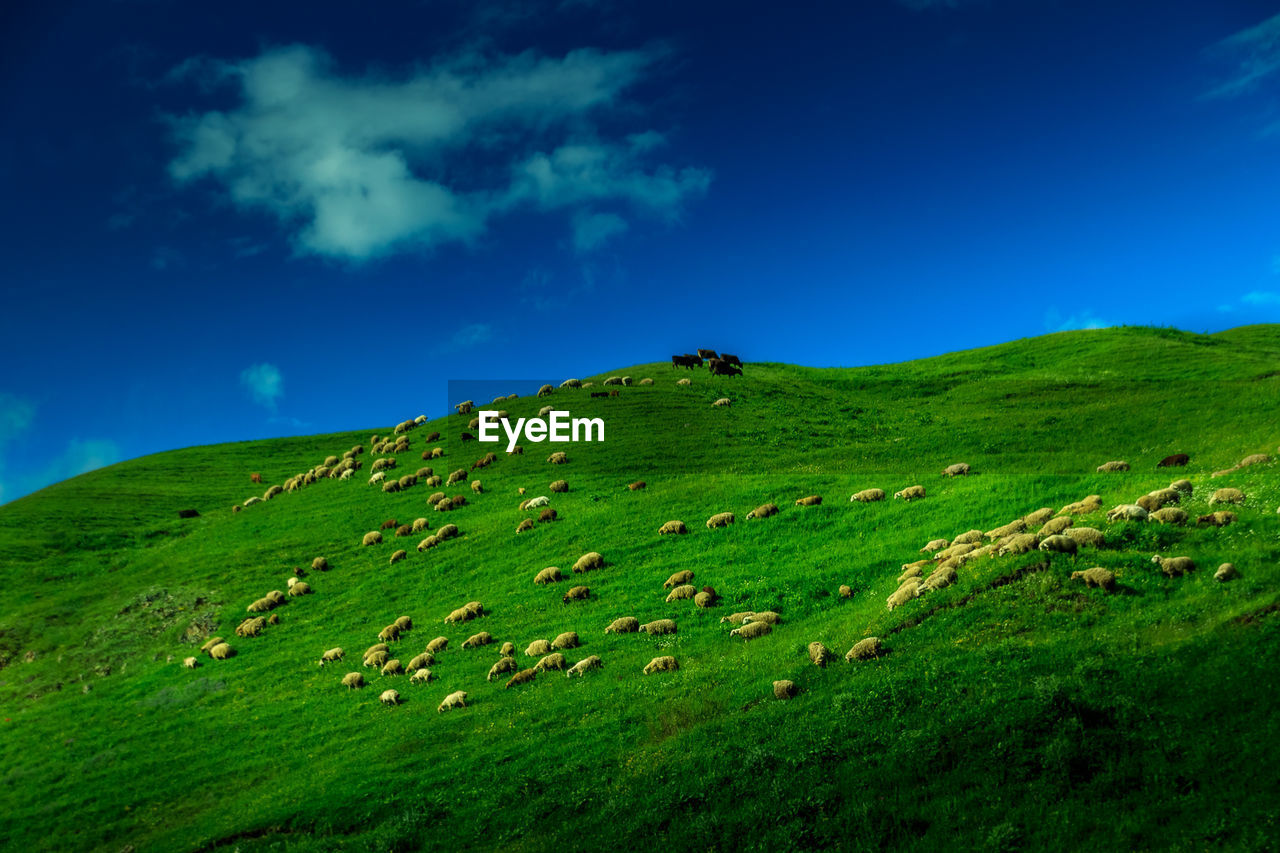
[{"x": 1014, "y": 708}]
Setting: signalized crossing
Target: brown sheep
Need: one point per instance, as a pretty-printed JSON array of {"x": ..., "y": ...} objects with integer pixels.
[
  {"x": 819, "y": 654},
  {"x": 504, "y": 665},
  {"x": 588, "y": 562},
  {"x": 636, "y": 486},
  {"x": 659, "y": 626},
  {"x": 458, "y": 500},
  {"x": 623, "y": 625},
  {"x": 550, "y": 574},
  {"x": 867, "y": 649},
  {"x": 255, "y": 477},
  {"x": 665, "y": 663},
  {"x": 526, "y": 524},
  {"x": 404, "y": 530},
  {"x": 524, "y": 676},
  {"x": 577, "y": 593},
  {"x": 752, "y": 630},
  {"x": 1221, "y": 518},
  {"x": 720, "y": 519},
  {"x": 456, "y": 699},
  {"x": 673, "y": 526},
  {"x": 867, "y": 496},
  {"x": 353, "y": 680},
  {"x": 810, "y": 500},
  {"x": 475, "y": 641},
  {"x": 546, "y": 515},
  {"x": 1097, "y": 576}
]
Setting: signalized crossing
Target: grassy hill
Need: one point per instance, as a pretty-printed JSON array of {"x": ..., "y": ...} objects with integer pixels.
[{"x": 1014, "y": 709}]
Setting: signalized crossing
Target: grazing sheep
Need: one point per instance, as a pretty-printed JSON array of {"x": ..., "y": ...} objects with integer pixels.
[
  {"x": 934, "y": 545},
  {"x": 419, "y": 525},
  {"x": 1221, "y": 518},
  {"x": 251, "y": 627},
  {"x": 547, "y": 515},
  {"x": 524, "y": 676},
  {"x": 1127, "y": 512},
  {"x": 1255, "y": 459},
  {"x": 508, "y": 649},
  {"x": 373, "y": 537},
  {"x": 723, "y": 401},
  {"x": 353, "y": 680},
  {"x": 456, "y": 477},
  {"x": 526, "y": 524},
  {"x": 539, "y": 501},
  {"x": 465, "y": 407},
  {"x": 673, "y": 526},
  {"x": 588, "y": 562},
  {"x": 1040, "y": 516},
  {"x": 538, "y": 648},
  {"x": 939, "y": 578},
  {"x": 1020, "y": 543},
  {"x": 436, "y": 453},
  {"x": 477, "y": 487},
  {"x": 1086, "y": 536},
  {"x": 846, "y": 591},
  {"x": 567, "y": 640},
  {"x": 190, "y": 663},
  {"x": 623, "y": 625},
  {"x": 420, "y": 676},
  {"x": 300, "y": 588},
  {"x": 1092, "y": 503},
  {"x": 682, "y": 592},
  {"x": 560, "y": 486},
  {"x": 659, "y": 626},
  {"x": 720, "y": 519},
  {"x": 334, "y": 654},
  {"x": 421, "y": 661},
  {"x": 1174, "y": 566},
  {"x": 376, "y": 647},
  {"x": 1169, "y": 515},
  {"x": 762, "y": 616},
  {"x": 959, "y": 469},
  {"x": 636, "y": 486},
  {"x": 210, "y": 643},
  {"x": 955, "y": 551},
  {"x": 577, "y": 593},
  {"x": 222, "y": 651},
  {"x": 558, "y": 458},
  {"x": 1059, "y": 544},
  {"x": 1112, "y": 467},
  {"x": 262, "y": 605},
  {"x": 546, "y": 391},
  {"x": 868, "y": 496},
  {"x": 785, "y": 689},
  {"x": 393, "y": 667},
  {"x": 475, "y": 641},
  {"x": 503, "y": 666},
  {"x": 1054, "y": 526},
  {"x": 461, "y": 614},
  {"x": 1183, "y": 486},
  {"x": 910, "y": 493},
  {"x": 551, "y": 661},
  {"x": 736, "y": 618},
  {"x": 1097, "y": 576},
  {"x": 580, "y": 668},
  {"x": 253, "y": 500},
  {"x": 1177, "y": 460},
  {"x": 704, "y": 599},
  {"x": 666, "y": 663},
  {"x": 550, "y": 574},
  {"x": 751, "y": 630},
  {"x": 376, "y": 659},
  {"x": 819, "y": 654},
  {"x": 683, "y": 382},
  {"x": 389, "y": 634},
  {"x": 969, "y": 537},
  {"x": 867, "y": 649},
  {"x": 456, "y": 699},
  {"x": 1226, "y": 572},
  {"x": 677, "y": 579},
  {"x": 904, "y": 593},
  {"x": 429, "y": 542},
  {"x": 448, "y": 531},
  {"x": 1227, "y": 496},
  {"x": 391, "y": 486},
  {"x": 439, "y": 644},
  {"x": 810, "y": 500}
]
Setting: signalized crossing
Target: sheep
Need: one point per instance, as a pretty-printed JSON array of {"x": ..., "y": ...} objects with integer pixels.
[
  {"x": 251, "y": 627},
  {"x": 376, "y": 659},
  {"x": 934, "y": 545},
  {"x": 677, "y": 579},
  {"x": 190, "y": 663},
  {"x": 613, "y": 380},
  {"x": 534, "y": 503},
  {"x": 1086, "y": 536},
  {"x": 720, "y": 519},
  {"x": 236, "y": 508},
  {"x": 421, "y": 676},
  {"x": 347, "y": 474},
  {"x": 475, "y": 641},
  {"x": 222, "y": 651},
  {"x": 503, "y": 666},
  {"x": 1255, "y": 459},
  {"x": 546, "y": 391},
  {"x": 526, "y": 524},
  {"x": 456, "y": 477},
  {"x": 910, "y": 493},
  {"x": 580, "y": 668},
  {"x": 419, "y": 525},
  {"x": 1113, "y": 467},
  {"x": 588, "y": 562},
  {"x": 762, "y": 616},
  {"x": 723, "y": 402},
  {"x": 429, "y": 542},
  {"x": 524, "y": 676},
  {"x": 465, "y": 407},
  {"x": 959, "y": 469},
  {"x": 567, "y": 640},
  {"x": 456, "y": 699},
  {"x": 390, "y": 487},
  {"x": 636, "y": 486},
  {"x": 904, "y": 593},
  {"x": 551, "y": 661},
  {"x": 751, "y": 630},
  {"x": 1177, "y": 460},
  {"x": 477, "y": 487},
  {"x": 955, "y": 551},
  {"x": 764, "y": 511},
  {"x": 547, "y": 515},
  {"x": 969, "y": 537},
  {"x": 1221, "y": 518},
  {"x": 1183, "y": 486},
  {"x": 577, "y": 593},
  {"x": 448, "y": 531},
  {"x": 538, "y": 648},
  {"x": 421, "y": 661},
  {"x": 550, "y": 574},
  {"x": 1020, "y": 543},
  {"x": 683, "y": 382},
  {"x": 1092, "y": 503},
  {"x": 868, "y": 496},
  {"x": 939, "y": 578},
  {"x": 666, "y": 663},
  {"x": 1228, "y": 496},
  {"x": 1097, "y": 576},
  {"x": 1059, "y": 544},
  {"x": 659, "y": 626},
  {"x": 439, "y": 644},
  {"x": 1226, "y": 572},
  {"x": 819, "y": 654},
  {"x": 389, "y": 634},
  {"x": 623, "y": 625},
  {"x": 810, "y": 500},
  {"x": 376, "y": 647},
  {"x": 331, "y": 655},
  {"x": 1174, "y": 566},
  {"x": 373, "y": 537},
  {"x": 560, "y": 486},
  {"x": 571, "y": 383},
  {"x": 1054, "y": 526},
  {"x": 210, "y": 643},
  {"x": 1169, "y": 515},
  {"x": 867, "y": 649},
  {"x": 846, "y": 591},
  {"x": 253, "y": 500},
  {"x": 1127, "y": 512},
  {"x": 301, "y": 588},
  {"x": 1166, "y": 496},
  {"x": 462, "y": 614},
  {"x": 393, "y": 667},
  {"x": 353, "y": 680},
  {"x": 261, "y": 605},
  {"x": 682, "y": 592},
  {"x": 673, "y": 526},
  {"x": 704, "y": 599},
  {"x": 558, "y": 458}
]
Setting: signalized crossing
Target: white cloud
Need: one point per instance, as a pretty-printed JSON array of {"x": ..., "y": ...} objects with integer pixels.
[
  {"x": 1054, "y": 322},
  {"x": 1261, "y": 297},
  {"x": 264, "y": 382},
  {"x": 471, "y": 335},
  {"x": 362, "y": 166},
  {"x": 593, "y": 230},
  {"x": 1254, "y": 54}
]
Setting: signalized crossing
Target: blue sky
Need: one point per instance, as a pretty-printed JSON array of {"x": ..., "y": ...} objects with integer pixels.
[{"x": 229, "y": 221}]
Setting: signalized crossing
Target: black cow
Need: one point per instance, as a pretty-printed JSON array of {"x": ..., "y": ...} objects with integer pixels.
[
  {"x": 688, "y": 361},
  {"x": 721, "y": 368},
  {"x": 707, "y": 353},
  {"x": 731, "y": 359}
]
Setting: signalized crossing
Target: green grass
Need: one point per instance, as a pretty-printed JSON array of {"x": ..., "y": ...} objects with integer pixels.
[{"x": 1014, "y": 710}]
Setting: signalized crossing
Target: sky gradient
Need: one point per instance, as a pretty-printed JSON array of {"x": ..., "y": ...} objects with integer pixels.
[{"x": 224, "y": 222}]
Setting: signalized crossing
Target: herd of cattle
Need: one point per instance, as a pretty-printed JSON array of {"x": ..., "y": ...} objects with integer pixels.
[{"x": 719, "y": 365}]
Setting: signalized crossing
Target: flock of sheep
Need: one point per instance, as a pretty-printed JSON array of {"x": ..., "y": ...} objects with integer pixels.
[{"x": 1052, "y": 532}]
